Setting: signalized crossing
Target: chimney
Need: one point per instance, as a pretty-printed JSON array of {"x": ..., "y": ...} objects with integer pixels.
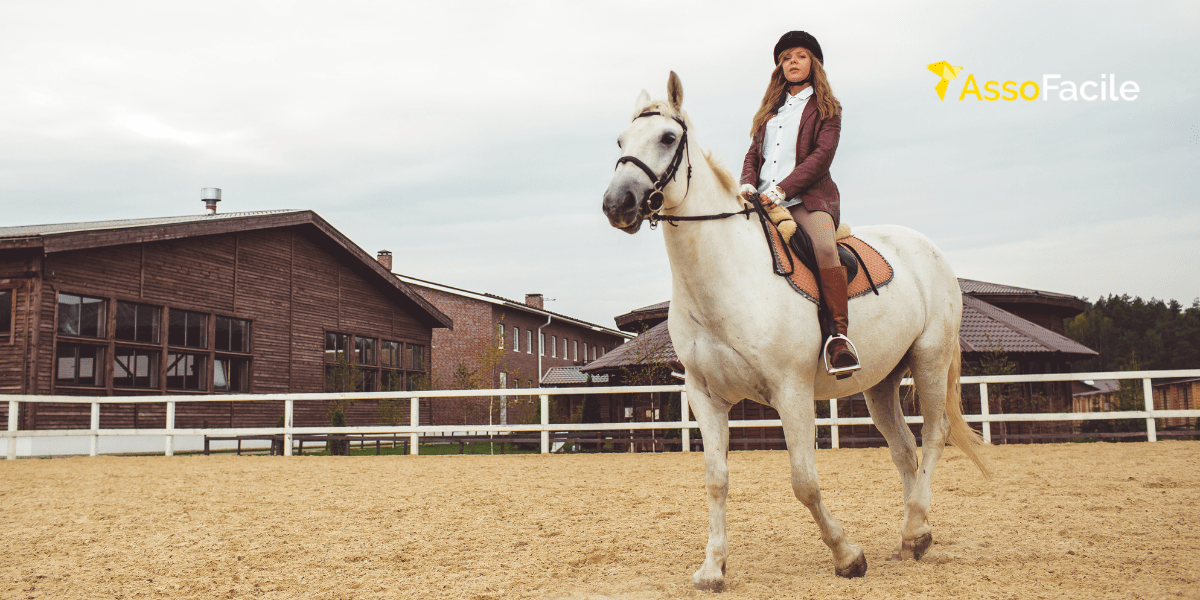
[
  {"x": 385, "y": 259},
  {"x": 210, "y": 196},
  {"x": 534, "y": 300}
]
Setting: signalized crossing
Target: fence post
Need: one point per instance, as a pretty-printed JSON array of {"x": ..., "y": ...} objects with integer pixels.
[
  {"x": 686, "y": 435},
  {"x": 545, "y": 423},
  {"x": 985, "y": 411},
  {"x": 95, "y": 428},
  {"x": 1148, "y": 397},
  {"x": 170, "y": 442},
  {"x": 414, "y": 419},
  {"x": 288, "y": 411},
  {"x": 12, "y": 429},
  {"x": 833, "y": 429}
]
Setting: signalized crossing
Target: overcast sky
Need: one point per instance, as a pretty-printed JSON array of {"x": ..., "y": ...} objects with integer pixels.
[{"x": 475, "y": 139}]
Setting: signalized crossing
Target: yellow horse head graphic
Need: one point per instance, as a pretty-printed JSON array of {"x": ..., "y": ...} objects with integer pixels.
[{"x": 947, "y": 72}]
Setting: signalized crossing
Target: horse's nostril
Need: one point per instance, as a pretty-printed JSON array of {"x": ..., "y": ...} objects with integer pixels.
[{"x": 628, "y": 201}]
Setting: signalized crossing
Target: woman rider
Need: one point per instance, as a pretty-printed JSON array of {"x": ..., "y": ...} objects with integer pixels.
[{"x": 795, "y": 133}]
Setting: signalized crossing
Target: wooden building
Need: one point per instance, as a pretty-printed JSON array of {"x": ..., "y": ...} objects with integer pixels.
[{"x": 259, "y": 302}]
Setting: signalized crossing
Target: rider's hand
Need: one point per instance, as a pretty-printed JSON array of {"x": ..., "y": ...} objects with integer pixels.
[{"x": 746, "y": 191}]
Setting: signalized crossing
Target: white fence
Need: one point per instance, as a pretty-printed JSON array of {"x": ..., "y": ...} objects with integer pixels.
[{"x": 415, "y": 431}]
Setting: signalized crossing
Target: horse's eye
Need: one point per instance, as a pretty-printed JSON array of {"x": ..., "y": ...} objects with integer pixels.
[
  {"x": 618, "y": 142},
  {"x": 668, "y": 139}
]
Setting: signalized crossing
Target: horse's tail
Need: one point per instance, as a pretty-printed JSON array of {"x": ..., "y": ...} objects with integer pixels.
[{"x": 961, "y": 435}]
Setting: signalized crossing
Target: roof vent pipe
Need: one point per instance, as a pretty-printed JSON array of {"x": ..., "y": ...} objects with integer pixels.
[{"x": 210, "y": 196}]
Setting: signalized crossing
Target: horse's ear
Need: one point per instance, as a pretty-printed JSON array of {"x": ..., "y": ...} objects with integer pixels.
[
  {"x": 674, "y": 91},
  {"x": 642, "y": 100}
]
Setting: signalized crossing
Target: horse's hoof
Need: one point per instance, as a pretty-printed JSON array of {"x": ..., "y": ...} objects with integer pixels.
[
  {"x": 858, "y": 568},
  {"x": 919, "y": 546},
  {"x": 707, "y": 583}
]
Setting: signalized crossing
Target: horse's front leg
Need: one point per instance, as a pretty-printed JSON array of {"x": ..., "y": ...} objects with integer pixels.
[
  {"x": 796, "y": 413},
  {"x": 713, "y": 417}
]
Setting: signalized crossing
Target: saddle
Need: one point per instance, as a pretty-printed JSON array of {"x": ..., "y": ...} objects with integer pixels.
[{"x": 866, "y": 269}]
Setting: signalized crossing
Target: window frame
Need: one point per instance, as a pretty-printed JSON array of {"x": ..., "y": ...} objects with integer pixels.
[{"x": 11, "y": 291}]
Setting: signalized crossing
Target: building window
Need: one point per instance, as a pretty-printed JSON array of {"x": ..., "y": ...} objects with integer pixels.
[
  {"x": 516, "y": 339},
  {"x": 554, "y": 346},
  {"x": 336, "y": 345},
  {"x": 390, "y": 378},
  {"x": 135, "y": 368},
  {"x": 6, "y": 307},
  {"x": 188, "y": 329},
  {"x": 79, "y": 364},
  {"x": 389, "y": 355},
  {"x": 529, "y": 341},
  {"x": 364, "y": 351},
  {"x": 585, "y": 359},
  {"x": 501, "y": 336},
  {"x": 415, "y": 356},
  {"x": 81, "y": 316},
  {"x": 231, "y": 374},
  {"x": 564, "y": 354},
  {"x": 185, "y": 371},
  {"x": 137, "y": 322},
  {"x": 391, "y": 381},
  {"x": 233, "y": 335},
  {"x": 575, "y": 349},
  {"x": 541, "y": 344}
]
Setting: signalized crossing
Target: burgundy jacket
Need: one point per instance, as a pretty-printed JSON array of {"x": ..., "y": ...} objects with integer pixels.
[{"x": 815, "y": 147}]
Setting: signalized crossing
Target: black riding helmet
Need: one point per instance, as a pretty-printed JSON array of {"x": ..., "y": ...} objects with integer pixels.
[{"x": 793, "y": 39}]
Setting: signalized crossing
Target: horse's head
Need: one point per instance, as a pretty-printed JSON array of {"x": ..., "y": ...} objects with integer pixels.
[{"x": 654, "y": 171}]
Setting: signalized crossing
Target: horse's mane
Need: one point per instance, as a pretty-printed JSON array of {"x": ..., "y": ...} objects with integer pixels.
[{"x": 724, "y": 178}]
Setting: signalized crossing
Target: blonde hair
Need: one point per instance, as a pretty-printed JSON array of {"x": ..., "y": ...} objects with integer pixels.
[{"x": 827, "y": 105}]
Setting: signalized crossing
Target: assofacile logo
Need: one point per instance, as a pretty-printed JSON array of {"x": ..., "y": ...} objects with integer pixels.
[{"x": 1105, "y": 90}]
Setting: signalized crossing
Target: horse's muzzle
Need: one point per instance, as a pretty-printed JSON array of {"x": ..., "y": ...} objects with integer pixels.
[{"x": 623, "y": 204}]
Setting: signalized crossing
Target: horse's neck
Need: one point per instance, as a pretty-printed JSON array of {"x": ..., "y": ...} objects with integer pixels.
[{"x": 711, "y": 260}]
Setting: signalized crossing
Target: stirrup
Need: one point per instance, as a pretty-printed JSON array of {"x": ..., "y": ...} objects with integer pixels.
[{"x": 841, "y": 372}]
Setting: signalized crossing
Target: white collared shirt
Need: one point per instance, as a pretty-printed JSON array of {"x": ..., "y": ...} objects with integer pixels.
[{"x": 779, "y": 143}]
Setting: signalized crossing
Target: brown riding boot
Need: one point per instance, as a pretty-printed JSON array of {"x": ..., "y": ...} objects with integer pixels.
[{"x": 840, "y": 358}]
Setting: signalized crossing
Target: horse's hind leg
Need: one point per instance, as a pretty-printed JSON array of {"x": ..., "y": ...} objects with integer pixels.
[
  {"x": 713, "y": 418},
  {"x": 883, "y": 401},
  {"x": 799, "y": 428},
  {"x": 930, "y": 377}
]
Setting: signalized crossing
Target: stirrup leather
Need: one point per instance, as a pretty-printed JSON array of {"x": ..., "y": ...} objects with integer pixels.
[{"x": 825, "y": 354}]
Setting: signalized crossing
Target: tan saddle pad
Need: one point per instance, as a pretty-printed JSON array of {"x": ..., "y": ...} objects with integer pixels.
[{"x": 803, "y": 281}]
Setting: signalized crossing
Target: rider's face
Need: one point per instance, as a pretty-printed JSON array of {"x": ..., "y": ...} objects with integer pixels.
[{"x": 796, "y": 63}]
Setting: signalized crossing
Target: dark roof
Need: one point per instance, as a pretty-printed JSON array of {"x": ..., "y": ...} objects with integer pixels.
[
  {"x": 1082, "y": 389},
  {"x": 986, "y": 328},
  {"x": 63, "y": 237},
  {"x": 494, "y": 299},
  {"x": 640, "y": 319},
  {"x": 1002, "y": 295},
  {"x": 652, "y": 347},
  {"x": 570, "y": 376}
]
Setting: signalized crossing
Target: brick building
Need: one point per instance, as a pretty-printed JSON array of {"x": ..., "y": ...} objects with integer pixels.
[
  {"x": 501, "y": 343},
  {"x": 256, "y": 302}
]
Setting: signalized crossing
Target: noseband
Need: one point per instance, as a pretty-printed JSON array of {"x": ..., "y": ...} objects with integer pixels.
[{"x": 654, "y": 199}]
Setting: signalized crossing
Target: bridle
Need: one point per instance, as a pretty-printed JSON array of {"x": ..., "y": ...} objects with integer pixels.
[{"x": 653, "y": 201}]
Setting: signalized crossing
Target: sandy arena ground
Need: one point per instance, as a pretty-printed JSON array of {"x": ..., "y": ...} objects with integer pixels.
[{"x": 1058, "y": 521}]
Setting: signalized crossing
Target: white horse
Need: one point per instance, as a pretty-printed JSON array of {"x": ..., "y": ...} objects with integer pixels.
[{"x": 742, "y": 332}]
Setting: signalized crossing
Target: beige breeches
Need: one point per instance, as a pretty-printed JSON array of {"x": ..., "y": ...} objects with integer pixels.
[{"x": 819, "y": 226}]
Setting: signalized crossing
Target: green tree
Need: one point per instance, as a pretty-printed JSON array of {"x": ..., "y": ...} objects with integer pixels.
[{"x": 1124, "y": 330}]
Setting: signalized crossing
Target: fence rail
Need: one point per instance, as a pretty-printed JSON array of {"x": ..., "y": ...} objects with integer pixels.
[{"x": 414, "y": 430}]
